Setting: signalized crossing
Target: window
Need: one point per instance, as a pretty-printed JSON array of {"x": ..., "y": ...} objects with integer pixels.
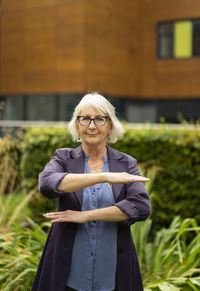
[
  {"x": 179, "y": 39},
  {"x": 165, "y": 39}
]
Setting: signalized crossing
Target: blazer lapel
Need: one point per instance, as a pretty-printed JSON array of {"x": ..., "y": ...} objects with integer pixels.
[
  {"x": 117, "y": 163},
  {"x": 76, "y": 165}
]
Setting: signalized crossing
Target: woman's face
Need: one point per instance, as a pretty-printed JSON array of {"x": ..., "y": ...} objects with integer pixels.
[{"x": 93, "y": 134}]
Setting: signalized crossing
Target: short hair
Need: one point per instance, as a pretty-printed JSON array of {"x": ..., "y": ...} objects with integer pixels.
[{"x": 100, "y": 103}]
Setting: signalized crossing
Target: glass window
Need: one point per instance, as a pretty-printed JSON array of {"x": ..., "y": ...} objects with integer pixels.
[
  {"x": 165, "y": 40},
  {"x": 196, "y": 37},
  {"x": 183, "y": 39},
  {"x": 67, "y": 106},
  {"x": 179, "y": 39},
  {"x": 13, "y": 108},
  {"x": 41, "y": 107}
]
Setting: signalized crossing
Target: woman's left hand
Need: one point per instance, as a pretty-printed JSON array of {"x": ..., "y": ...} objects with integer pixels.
[{"x": 67, "y": 216}]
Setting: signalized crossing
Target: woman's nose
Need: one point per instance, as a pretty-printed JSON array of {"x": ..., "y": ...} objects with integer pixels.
[{"x": 92, "y": 124}]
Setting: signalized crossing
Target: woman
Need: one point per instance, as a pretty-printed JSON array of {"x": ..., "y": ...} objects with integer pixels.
[{"x": 100, "y": 194}]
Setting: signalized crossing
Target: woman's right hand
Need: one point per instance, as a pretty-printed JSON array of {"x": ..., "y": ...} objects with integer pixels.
[{"x": 123, "y": 178}]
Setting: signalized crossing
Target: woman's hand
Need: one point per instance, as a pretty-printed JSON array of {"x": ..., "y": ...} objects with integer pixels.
[
  {"x": 67, "y": 216},
  {"x": 123, "y": 178}
]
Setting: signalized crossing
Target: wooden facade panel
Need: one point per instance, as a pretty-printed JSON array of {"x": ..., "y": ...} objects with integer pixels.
[
  {"x": 38, "y": 4},
  {"x": 177, "y": 9},
  {"x": 39, "y": 42},
  {"x": 40, "y": 51},
  {"x": 111, "y": 59},
  {"x": 12, "y": 6}
]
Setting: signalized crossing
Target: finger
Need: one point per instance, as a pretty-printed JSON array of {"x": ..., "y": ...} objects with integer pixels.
[
  {"x": 52, "y": 214},
  {"x": 141, "y": 178},
  {"x": 49, "y": 216},
  {"x": 144, "y": 179},
  {"x": 58, "y": 220}
]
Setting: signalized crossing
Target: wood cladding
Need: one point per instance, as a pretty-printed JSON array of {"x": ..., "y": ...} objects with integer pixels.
[
  {"x": 64, "y": 46},
  {"x": 42, "y": 46}
]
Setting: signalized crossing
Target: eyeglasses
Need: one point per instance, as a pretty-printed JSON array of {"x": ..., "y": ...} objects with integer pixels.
[{"x": 98, "y": 121}]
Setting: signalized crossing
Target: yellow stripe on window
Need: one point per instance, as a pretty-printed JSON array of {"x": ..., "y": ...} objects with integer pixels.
[{"x": 183, "y": 39}]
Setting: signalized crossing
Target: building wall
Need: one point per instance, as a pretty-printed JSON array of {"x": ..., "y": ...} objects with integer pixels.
[
  {"x": 69, "y": 46},
  {"x": 42, "y": 46},
  {"x": 113, "y": 42},
  {"x": 66, "y": 46}
]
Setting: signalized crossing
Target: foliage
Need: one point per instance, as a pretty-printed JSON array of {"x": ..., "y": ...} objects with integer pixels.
[
  {"x": 20, "y": 251},
  {"x": 9, "y": 166},
  {"x": 172, "y": 260},
  {"x": 20, "y": 248},
  {"x": 14, "y": 207}
]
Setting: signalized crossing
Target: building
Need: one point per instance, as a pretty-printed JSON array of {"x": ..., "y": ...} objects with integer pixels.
[{"x": 142, "y": 54}]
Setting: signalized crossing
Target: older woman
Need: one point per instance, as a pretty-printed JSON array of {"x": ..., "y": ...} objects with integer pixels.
[{"x": 100, "y": 194}]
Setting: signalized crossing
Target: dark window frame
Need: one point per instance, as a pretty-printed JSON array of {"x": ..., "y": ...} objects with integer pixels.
[{"x": 159, "y": 36}]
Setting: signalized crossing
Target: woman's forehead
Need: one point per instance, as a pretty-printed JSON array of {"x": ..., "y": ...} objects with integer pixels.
[{"x": 91, "y": 110}]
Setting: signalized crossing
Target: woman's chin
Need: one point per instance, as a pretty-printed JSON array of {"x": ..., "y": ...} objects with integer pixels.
[{"x": 93, "y": 141}]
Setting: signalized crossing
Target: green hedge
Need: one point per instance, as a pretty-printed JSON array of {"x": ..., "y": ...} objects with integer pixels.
[{"x": 174, "y": 151}]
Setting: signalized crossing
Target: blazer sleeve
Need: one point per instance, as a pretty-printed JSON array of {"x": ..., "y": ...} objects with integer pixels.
[
  {"x": 53, "y": 173},
  {"x": 137, "y": 203}
]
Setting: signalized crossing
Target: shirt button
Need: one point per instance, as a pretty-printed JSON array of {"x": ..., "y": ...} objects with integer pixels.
[{"x": 120, "y": 251}]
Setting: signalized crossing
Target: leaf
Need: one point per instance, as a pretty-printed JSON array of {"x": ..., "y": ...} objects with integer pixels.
[
  {"x": 195, "y": 281},
  {"x": 165, "y": 286}
]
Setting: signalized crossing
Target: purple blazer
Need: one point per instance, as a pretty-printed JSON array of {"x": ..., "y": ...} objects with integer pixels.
[{"x": 131, "y": 198}]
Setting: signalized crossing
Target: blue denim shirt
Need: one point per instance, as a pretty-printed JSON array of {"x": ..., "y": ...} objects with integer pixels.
[{"x": 94, "y": 256}]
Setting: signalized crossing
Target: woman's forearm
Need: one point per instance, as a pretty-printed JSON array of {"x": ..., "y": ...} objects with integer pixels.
[
  {"x": 74, "y": 182},
  {"x": 112, "y": 213}
]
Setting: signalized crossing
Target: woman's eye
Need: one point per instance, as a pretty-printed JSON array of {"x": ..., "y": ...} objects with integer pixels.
[
  {"x": 85, "y": 118},
  {"x": 99, "y": 119}
]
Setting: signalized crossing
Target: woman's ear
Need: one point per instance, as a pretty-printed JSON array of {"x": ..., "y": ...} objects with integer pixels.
[
  {"x": 77, "y": 127},
  {"x": 110, "y": 127}
]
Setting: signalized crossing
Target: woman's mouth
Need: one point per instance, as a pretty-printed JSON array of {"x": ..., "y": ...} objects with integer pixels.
[{"x": 92, "y": 135}]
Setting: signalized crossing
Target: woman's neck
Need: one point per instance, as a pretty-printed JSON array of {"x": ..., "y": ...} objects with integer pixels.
[{"x": 95, "y": 152}]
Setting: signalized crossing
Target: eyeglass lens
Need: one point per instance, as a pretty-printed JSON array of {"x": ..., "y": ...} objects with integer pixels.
[{"x": 99, "y": 121}]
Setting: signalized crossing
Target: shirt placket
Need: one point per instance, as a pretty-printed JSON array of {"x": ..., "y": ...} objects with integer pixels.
[{"x": 93, "y": 232}]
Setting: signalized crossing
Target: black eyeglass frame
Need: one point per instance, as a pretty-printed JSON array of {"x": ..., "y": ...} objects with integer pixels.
[{"x": 92, "y": 119}]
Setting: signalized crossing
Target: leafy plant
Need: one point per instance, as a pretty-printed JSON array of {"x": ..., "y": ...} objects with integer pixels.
[
  {"x": 14, "y": 206},
  {"x": 9, "y": 166},
  {"x": 172, "y": 260},
  {"x": 20, "y": 251}
]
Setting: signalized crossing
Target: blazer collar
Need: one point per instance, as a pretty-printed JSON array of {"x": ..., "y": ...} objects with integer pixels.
[{"x": 112, "y": 153}]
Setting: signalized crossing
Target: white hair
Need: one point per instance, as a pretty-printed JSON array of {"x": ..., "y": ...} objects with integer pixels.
[{"x": 98, "y": 102}]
